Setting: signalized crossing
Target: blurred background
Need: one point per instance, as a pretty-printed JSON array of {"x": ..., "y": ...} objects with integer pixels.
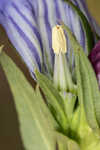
[
  {"x": 9, "y": 128},
  {"x": 94, "y": 8}
]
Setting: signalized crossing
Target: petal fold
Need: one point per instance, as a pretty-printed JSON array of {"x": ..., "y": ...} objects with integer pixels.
[{"x": 22, "y": 30}]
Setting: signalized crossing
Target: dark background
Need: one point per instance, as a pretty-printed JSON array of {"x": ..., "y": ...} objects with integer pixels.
[{"x": 9, "y": 127}]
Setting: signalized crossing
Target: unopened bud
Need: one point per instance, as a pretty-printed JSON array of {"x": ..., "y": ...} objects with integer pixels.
[
  {"x": 62, "y": 76},
  {"x": 58, "y": 40}
]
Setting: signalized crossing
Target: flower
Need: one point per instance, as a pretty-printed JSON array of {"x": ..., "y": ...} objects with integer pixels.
[
  {"x": 94, "y": 58},
  {"x": 28, "y": 24}
]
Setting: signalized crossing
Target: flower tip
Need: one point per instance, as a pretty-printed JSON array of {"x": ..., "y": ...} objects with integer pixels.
[{"x": 58, "y": 40}]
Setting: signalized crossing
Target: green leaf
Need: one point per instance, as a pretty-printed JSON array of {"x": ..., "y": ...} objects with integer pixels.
[
  {"x": 91, "y": 93},
  {"x": 70, "y": 144},
  {"x": 36, "y": 123},
  {"x": 60, "y": 140},
  {"x": 69, "y": 104},
  {"x": 88, "y": 90},
  {"x": 80, "y": 92},
  {"x": 86, "y": 26},
  {"x": 75, "y": 124},
  {"x": 54, "y": 99}
]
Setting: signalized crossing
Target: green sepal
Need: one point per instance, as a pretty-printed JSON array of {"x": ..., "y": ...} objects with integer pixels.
[
  {"x": 54, "y": 100},
  {"x": 70, "y": 144},
  {"x": 35, "y": 121},
  {"x": 88, "y": 90},
  {"x": 69, "y": 100}
]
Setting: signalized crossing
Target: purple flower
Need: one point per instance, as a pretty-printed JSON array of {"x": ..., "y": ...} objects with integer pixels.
[
  {"x": 28, "y": 24},
  {"x": 95, "y": 60}
]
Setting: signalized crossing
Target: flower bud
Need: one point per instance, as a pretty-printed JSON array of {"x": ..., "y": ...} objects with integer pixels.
[
  {"x": 62, "y": 76},
  {"x": 58, "y": 40}
]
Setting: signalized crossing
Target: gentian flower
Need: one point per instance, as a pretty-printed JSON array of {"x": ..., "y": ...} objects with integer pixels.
[
  {"x": 28, "y": 24},
  {"x": 95, "y": 60}
]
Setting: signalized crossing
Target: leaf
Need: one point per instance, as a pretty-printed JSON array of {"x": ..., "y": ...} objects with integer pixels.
[
  {"x": 36, "y": 123},
  {"x": 60, "y": 140},
  {"x": 88, "y": 90},
  {"x": 69, "y": 104},
  {"x": 75, "y": 125},
  {"x": 91, "y": 93},
  {"x": 54, "y": 99},
  {"x": 70, "y": 144},
  {"x": 80, "y": 92},
  {"x": 86, "y": 26}
]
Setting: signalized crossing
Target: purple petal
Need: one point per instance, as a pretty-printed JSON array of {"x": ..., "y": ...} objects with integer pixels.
[
  {"x": 28, "y": 24},
  {"x": 4, "y": 3},
  {"x": 23, "y": 32}
]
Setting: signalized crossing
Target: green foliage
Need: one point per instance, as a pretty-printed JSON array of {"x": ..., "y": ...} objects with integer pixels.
[
  {"x": 88, "y": 114},
  {"x": 88, "y": 90},
  {"x": 69, "y": 103},
  {"x": 54, "y": 100},
  {"x": 37, "y": 126}
]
